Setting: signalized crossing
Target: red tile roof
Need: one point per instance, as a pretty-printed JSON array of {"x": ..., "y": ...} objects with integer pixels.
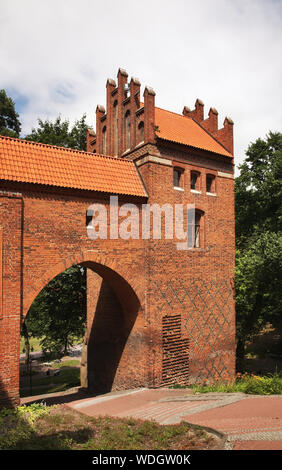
[
  {"x": 184, "y": 130},
  {"x": 31, "y": 162}
]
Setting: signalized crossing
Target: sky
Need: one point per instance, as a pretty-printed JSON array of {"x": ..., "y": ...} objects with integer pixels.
[{"x": 56, "y": 56}]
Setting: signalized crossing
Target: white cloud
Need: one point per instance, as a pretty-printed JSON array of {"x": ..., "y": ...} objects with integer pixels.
[{"x": 58, "y": 55}]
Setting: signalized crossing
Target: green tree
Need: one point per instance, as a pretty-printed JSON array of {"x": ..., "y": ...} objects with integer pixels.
[
  {"x": 258, "y": 288},
  {"x": 60, "y": 133},
  {"x": 258, "y": 202},
  {"x": 258, "y": 189},
  {"x": 9, "y": 118},
  {"x": 58, "y": 314}
]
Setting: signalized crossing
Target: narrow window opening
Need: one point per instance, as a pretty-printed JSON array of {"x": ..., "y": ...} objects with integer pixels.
[
  {"x": 197, "y": 230},
  {"x": 104, "y": 140},
  {"x": 127, "y": 130},
  {"x": 194, "y": 228},
  {"x": 210, "y": 184},
  {"x": 141, "y": 131},
  {"x": 115, "y": 129},
  {"x": 195, "y": 180},
  {"x": 178, "y": 178},
  {"x": 89, "y": 216}
]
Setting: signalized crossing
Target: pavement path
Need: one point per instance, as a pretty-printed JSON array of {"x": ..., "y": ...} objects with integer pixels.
[{"x": 249, "y": 422}]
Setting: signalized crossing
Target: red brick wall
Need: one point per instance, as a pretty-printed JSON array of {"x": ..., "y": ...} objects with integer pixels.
[
  {"x": 197, "y": 284},
  {"x": 11, "y": 224}
]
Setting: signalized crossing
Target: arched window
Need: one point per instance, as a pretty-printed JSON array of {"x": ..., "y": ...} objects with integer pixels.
[
  {"x": 141, "y": 132},
  {"x": 104, "y": 140},
  {"x": 127, "y": 129},
  {"x": 115, "y": 128}
]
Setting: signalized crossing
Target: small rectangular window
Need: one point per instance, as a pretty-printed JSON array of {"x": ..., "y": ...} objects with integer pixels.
[
  {"x": 195, "y": 179},
  {"x": 89, "y": 216},
  {"x": 197, "y": 230},
  {"x": 177, "y": 178},
  {"x": 210, "y": 184},
  {"x": 194, "y": 222}
]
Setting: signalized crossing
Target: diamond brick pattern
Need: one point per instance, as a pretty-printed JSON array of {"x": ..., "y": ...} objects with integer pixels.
[{"x": 206, "y": 316}]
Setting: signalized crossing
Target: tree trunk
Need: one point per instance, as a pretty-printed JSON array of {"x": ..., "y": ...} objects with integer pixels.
[
  {"x": 83, "y": 364},
  {"x": 66, "y": 342},
  {"x": 27, "y": 346},
  {"x": 240, "y": 355}
]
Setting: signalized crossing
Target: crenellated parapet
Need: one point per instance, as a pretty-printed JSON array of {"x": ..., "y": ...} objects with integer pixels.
[
  {"x": 127, "y": 122},
  {"x": 223, "y": 135}
]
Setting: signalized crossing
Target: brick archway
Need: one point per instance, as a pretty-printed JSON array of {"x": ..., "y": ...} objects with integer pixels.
[
  {"x": 114, "y": 320},
  {"x": 43, "y": 234},
  {"x": 104, "y": 265}
]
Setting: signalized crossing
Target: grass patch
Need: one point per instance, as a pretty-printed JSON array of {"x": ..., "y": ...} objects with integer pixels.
[
  {"x": 67, "y": 363},
  {"x": 34, "y": 344},
  {"x": 245, "y": 383},
  {"x": 39, "y": 427},
  {"x": 69, "y": 377},
  {"x": 67, "y": 374},
  {"x": 18, "y": 425}
]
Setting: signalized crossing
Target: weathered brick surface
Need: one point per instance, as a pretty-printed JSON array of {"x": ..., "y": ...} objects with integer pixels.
[{"x": 136, "y": 288}]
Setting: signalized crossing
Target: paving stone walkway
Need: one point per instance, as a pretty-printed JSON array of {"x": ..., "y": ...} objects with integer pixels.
[{"x": 249, "y": 422}]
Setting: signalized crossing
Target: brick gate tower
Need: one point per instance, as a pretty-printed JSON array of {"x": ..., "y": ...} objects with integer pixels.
[
  {"x": 160, "y": 302},
  {"x": 182, "y": 159}
]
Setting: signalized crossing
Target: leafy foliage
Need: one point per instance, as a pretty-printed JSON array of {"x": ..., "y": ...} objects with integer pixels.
[
  {"x": 17, "y": 425},
  {"x": 258, "y": 190},
  {"x": 259, "y": 284},
  {"x": 258, "y": 198},
  {"x": 59, "y": 133},
  {"x": 9, "y": 118},
  {"x": 58, "y": 314},
  {"x": 250, "y": 384}
]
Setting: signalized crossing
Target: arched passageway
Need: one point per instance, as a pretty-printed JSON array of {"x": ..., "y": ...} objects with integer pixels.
[{"x": 113, "y": 343}]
